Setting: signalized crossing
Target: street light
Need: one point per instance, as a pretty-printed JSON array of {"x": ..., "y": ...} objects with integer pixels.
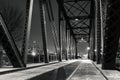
[
  {"x": 88, "y": 48},
  {"x": 82, "y": 40},
  {"x": 76, "y": 19},
  {"x": 33, "y": 54},
  {"x": 95, "y": 50}
]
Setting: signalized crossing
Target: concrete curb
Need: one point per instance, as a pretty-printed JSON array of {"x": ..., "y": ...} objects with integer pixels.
[{"x": 100, "y": 71}]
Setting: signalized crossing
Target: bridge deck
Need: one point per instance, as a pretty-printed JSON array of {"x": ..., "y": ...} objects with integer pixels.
[
  {"x": 109, "y": 74},
  {"x": 66, "y": 70},
  {"x": 86, "y": 71}
]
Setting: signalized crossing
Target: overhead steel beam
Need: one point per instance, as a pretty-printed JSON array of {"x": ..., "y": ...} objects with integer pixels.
[
  {"x": 60, "y": 4},
  {"x": 81, "y": 34},
  {"x": 81, "y": 27},
  {"x": 78, "y": 17},
  {"x": 9, "y": 45},
  {"x": 75, "y": 0}
]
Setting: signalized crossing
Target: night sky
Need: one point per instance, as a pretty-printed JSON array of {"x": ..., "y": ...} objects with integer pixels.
[{"x": 35, "y": 27}]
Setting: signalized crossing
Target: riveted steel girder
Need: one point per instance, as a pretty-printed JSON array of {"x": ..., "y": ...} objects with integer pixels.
[
  {"x": 43, "y": 29},
  {"x": 112, "y": 34},
  {"x": 9, "y": 45}
]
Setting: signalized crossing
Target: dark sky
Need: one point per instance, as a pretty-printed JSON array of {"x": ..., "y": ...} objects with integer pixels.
[{"x": 35, "y": 27}]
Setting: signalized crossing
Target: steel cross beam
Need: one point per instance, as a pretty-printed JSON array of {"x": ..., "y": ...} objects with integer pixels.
[
  {"x": 81, "y": 9},
  {"x": 81, "y": 20},
  {"x": 75, "y": 0},
  {"x": 81, "y": 28},
  {"x": 52, "y": 24},
  {"x": 60, "y": 4},
  {"x": 79, "y": 17},
  {"x": 9, "y": 45}
]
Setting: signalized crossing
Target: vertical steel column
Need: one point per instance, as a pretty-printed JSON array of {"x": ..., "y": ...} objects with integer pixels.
[
  {"x": 76, "y": 51},
  {"x": 29, "y": 9},
  {"x": 98, "y": 29},
  {"x": 66, "y": 40},
  {"x": 67, "y": 43},
  {"x": 103, "y": 10},
  {"x": 60, "y": 40},
  {"x": 74, "y": 48},
  {"x": 92, "y": 32},
  {"x": 43, "y": 29},
  {"x": 92, "y": 54},
  {"x": 112, "y": 34},
  {"x": 52, "y": 24},
  {"x": 70, "y": 46},
  {"x": 1, "y": 54}
]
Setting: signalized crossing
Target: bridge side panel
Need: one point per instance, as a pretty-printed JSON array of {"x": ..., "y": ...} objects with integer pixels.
[
  {"x": 9, "y": 46},
  {"x": 112, "y": 34}
]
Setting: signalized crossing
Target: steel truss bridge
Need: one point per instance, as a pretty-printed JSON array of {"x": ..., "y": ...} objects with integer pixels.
[{"x": 95, "y": 21}]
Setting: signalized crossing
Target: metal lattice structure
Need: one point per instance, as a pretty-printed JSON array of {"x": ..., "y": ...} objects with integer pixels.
[
  {"x": 95, "y": 21},
  {"x": 78, "y": 15},
  {"x": 112, "y": 34},
  {"x": 9, "y": 45}
]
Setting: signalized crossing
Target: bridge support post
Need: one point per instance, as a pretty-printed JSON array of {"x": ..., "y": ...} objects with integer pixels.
[
  {"x": 66, "y": 32},
  {"x": 98, "y": 32},
  {"x": 92, "y": 37},
  {"x": 76, "y": 51},
  {"x": 43, "y": 30},
  {"x": 60, "y": 40},
  {"x": 112, "y": 34},
  {"x": 29, "y": 9}
]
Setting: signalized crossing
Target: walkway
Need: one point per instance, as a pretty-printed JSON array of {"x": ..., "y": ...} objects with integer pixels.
[
  {"x": 86, "y": 71},
  {"x": 66, "y": 70},
  {"x": 35, "y": 73}
]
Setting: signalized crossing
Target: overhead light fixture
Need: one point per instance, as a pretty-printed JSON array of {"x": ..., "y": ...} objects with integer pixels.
[
  {"x": 88, "y": 48},
  {"x": 95, "y": 50},
  {"x": 33, "y": 53},
  {"x": 82, "y": 40},
  {"x": 76, "y": 19}
]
